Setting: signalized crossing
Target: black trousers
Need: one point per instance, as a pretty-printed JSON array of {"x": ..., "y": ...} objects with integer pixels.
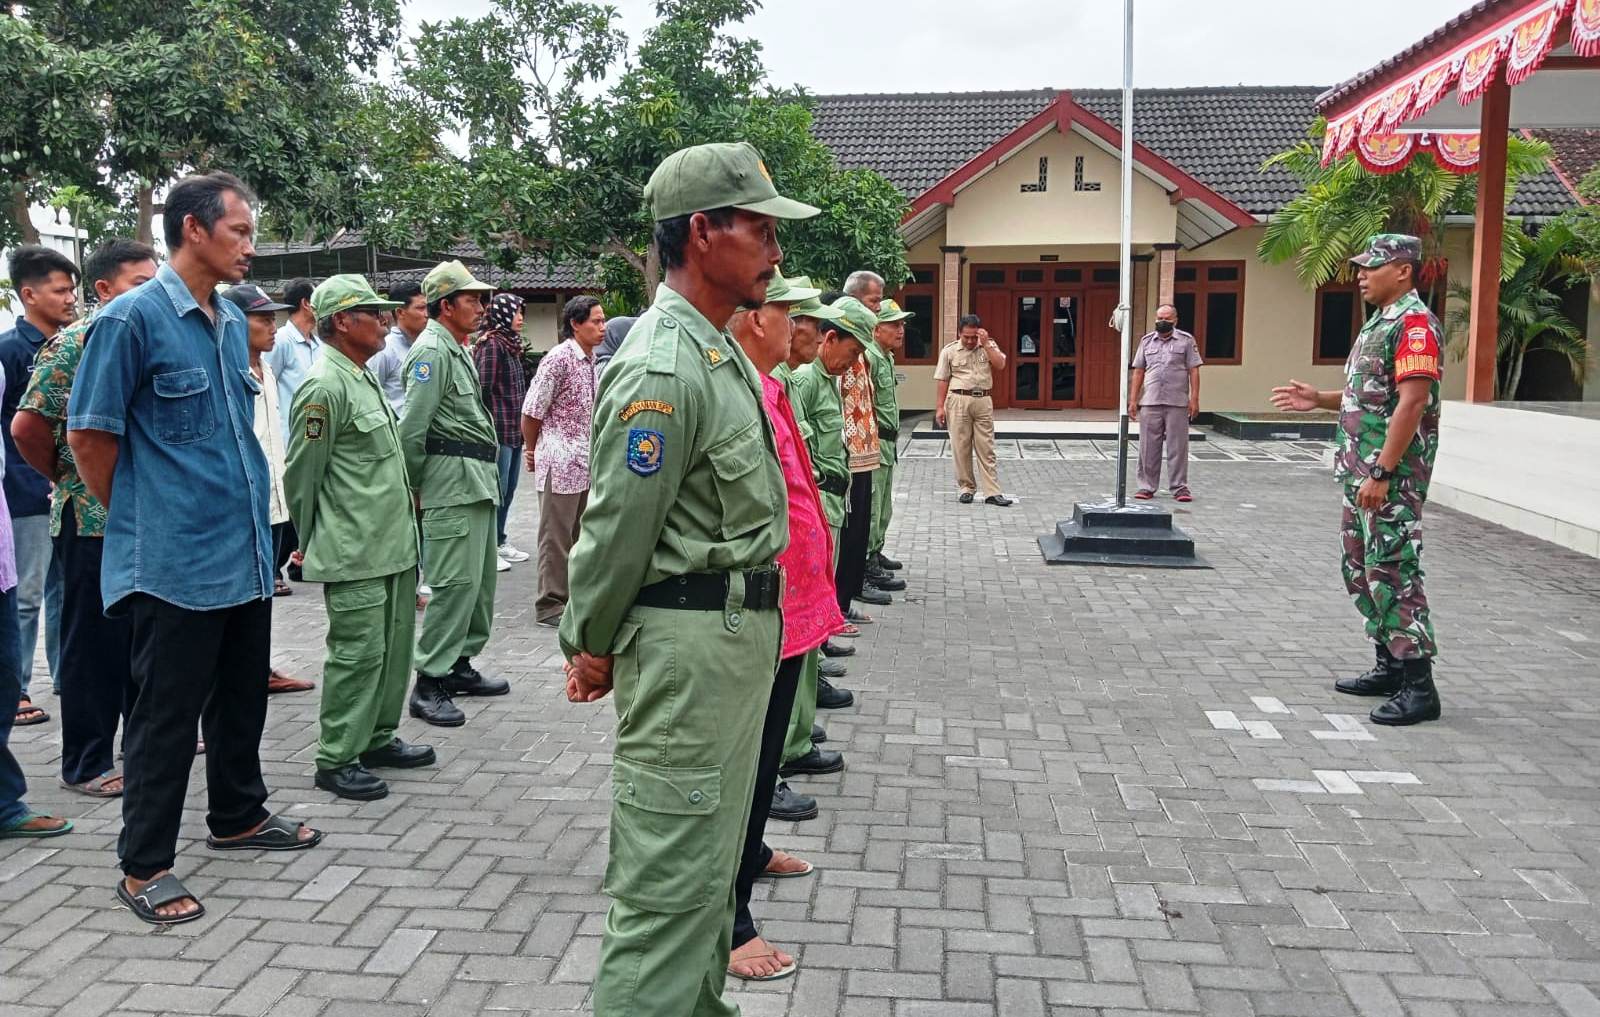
[
  {"x": 192, "y": 667},
  {"x": 285, "y": 541},
  {"x": 774, "y": 732},
  {"x": 96, "y": 675},
  {"x": 853, "y": 539}
]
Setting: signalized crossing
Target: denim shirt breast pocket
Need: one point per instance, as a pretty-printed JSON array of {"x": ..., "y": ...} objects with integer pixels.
[{"x": 183, "y": 411}]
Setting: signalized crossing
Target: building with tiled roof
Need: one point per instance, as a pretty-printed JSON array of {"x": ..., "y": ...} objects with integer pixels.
[{"x": 1014, "y": 214}]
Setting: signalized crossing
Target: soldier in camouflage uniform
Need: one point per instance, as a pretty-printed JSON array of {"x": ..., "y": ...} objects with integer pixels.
[{"x": 1388, "y": 436}]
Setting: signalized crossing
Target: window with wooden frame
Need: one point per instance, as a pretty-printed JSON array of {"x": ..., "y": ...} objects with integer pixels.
[
  {"x": 1209, "y": 296},
  {"x": 1341, "y": 313},
  {"x": 920, "y": 295}
]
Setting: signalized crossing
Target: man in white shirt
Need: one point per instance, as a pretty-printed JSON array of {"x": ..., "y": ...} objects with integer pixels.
[{"x": 294, "y": 348}]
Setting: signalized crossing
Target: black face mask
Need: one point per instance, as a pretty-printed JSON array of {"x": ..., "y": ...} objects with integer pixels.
[{"x": 1165, "y": 327}]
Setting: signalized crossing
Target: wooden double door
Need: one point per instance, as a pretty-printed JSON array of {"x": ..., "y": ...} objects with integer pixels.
[{"x": 1061, "y": 351}]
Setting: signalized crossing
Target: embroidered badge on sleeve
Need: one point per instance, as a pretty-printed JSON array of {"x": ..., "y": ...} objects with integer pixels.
[
  {"x": 1416, "y": 355},
  {"x": 645, "y": 451},
  {"x": 639, "y": 406},
  {"x": 423, "y": 372}
]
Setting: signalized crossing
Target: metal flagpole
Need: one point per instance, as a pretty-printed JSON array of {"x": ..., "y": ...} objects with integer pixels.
[{"x": 1125, "y": 288}]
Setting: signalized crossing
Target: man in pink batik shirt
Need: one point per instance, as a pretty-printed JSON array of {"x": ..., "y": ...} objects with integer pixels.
[{"x": 810, "y": 616}]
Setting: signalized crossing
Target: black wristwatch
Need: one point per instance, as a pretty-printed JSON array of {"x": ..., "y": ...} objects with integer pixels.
[{"x": 1379, "y": 473}]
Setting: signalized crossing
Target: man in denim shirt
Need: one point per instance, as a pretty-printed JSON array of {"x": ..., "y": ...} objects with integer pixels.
[{"x": 160, "y": 422}]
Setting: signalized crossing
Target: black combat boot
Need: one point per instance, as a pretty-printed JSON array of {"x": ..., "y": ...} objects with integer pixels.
[
  {"x": 1382, "y": 680},
  {"x": 466, "y": 680},
  {"x": 431, "y": 702},
  {"x": 1417, "y": 699},
  {"x": 886, "y": 562}
]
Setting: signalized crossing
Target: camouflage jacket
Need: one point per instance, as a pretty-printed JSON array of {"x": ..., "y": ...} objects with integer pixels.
[{"x": 1397, "y": 343}]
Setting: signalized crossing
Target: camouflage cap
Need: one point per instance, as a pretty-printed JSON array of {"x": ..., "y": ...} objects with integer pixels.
[
  {"x": 856, "y": 318},
  {"x": 814, "y": 307},
  {"x": 889, "y": 311},
  {"x": 450, "y": 277},
  {"x": 1383, "y": 248},
  {"x": 785, "y": 291},
  {"x": 704, "y": 177},
  {"x": 346, "y": 293}
]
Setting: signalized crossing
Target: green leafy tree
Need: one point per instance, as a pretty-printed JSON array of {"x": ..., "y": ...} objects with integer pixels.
[
  {"x": 557, "y": 158},
  {"x": 246, "y": 85},
  {"x": 1530, "y": 312},
  {"x": 1342, "y": 204}
]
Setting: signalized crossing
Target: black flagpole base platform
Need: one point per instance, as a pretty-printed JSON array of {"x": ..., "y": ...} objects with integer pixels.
[{"x": 1134, "y": 536}]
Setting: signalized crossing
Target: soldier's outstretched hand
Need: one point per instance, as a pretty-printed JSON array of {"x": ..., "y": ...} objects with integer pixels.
[{"x": 1296, "y": 396}]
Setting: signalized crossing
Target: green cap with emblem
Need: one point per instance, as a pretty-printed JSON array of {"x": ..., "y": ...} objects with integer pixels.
[
  {"x": 704, "y": 177},
  {"x": 1383, "y": 248},
  {"x": 889, "y": 311},
  {"x": 786, "y": 291},
  {"x": 812, "y": 307},
  {"x": 346, "y": 293},
  {"x": 856, "y": 318},
  {"x": 450, "y": 277}
]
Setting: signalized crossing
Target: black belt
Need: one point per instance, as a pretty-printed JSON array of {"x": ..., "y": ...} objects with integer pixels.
[
  {"x": 462, "y": 449},
  {"x": 888, "y": 433},
  {"x": 834, "y": 483},
  {"x": 976, "y": 392},
  {"x": 708, "y": 591}
]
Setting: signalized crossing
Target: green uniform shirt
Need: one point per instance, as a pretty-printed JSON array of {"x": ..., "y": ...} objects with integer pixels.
[
  {"x": 54, "y": 368},
  {"x": 443, "y": 399},
  {"x": 683, "y": 466},
  {"x": 1398, "y": 342},
  {"x": 885, "y": 402},
  {"x": 819, "y": 411},
  {"x": 345, "y": 480}
]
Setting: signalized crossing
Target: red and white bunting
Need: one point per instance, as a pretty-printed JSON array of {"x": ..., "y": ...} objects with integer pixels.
[
  {"x": 1515, "y": 48},
  {"x": 1391, "y": 153}
]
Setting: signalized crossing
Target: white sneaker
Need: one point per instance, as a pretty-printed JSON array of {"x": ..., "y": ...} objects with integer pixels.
[
  {"x": 424, "y": 590},
  {"x": 501, "y": 565},
  {"x": 509, "y": 552}
]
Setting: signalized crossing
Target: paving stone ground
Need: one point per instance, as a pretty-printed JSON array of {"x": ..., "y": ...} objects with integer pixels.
[{"x": 1070, "y": 792}]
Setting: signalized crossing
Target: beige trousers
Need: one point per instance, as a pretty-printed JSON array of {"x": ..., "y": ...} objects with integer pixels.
[
  {"x": 971, "y": 420},
  {"x": 558, "y": 531}
]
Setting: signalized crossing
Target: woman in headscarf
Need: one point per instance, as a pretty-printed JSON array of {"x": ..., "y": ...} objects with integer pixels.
[{"x": 498, "y": 354}]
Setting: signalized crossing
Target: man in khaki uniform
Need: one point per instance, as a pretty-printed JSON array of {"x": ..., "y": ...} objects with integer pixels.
[
  {"x": 675, "y": 591},
  {"x": 351, "y": 504},
  {"x": 965, "y": 381},
  {"x": 451, "y": 453}
]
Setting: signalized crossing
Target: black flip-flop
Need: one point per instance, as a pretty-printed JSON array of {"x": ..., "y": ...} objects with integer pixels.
[
  {"x": 276, "y": 834},
  {"x": 36, "y": 714},
  {"x": 166, "y": 890}
]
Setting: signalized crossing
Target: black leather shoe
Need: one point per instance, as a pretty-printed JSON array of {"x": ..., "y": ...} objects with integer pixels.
[
  {"x": 833, "y": 649},
  {"x": 814, "y": 763},
  {"x": 1417, "y": 699},
  {"x": 1000, "y": 500},
  {"x": 884, "y": 581},
  {"x": 888, "y": 563},
  {"x": 830, "y": 698},
  {"x": 398, "y": 755},
  {"x": 1383, "y": 680},
  {"x": 466, "y": 680},
  {"x": 352, "y": 781},
  {"x": 966, "y": 498},
  {"x": 868, "y": 595},
  {"x": 431, "y": 702},
  {"x": 831, "y": 669},
  {"x": 818, "y": 735},
  {"x": 791, "y": 806}
]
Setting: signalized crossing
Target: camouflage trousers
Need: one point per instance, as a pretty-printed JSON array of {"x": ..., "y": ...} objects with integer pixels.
[{"x": 1382, "y": 566}]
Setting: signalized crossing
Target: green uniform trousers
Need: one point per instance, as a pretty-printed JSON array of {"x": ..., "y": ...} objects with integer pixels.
[
  {"x": 458, "y": 546},
  {"x": 371, "y": 623},
  {"x": 691, "y": 693},
  {"x": 803, "y": 717},
  {"x": 882, "y": 507},
  {"x": 1382, "y": 566}
]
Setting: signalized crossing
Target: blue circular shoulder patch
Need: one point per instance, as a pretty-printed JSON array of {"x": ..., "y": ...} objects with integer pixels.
[{"x": 423, "y": 372}]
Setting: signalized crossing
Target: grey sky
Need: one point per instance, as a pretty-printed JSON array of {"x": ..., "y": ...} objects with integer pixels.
[{"x": 969, "y": 45}]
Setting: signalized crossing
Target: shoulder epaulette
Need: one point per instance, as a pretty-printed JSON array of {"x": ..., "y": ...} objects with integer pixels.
[{"x": 661, "y": 356}]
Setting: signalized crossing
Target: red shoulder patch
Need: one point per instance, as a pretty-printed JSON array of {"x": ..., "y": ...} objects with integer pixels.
[{"x": 1416, "y": 355}]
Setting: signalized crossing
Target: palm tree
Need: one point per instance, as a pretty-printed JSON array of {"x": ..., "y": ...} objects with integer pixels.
[
  {"x": 1342, "y": 204},
  {"x": 1531, "y": 315}
]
